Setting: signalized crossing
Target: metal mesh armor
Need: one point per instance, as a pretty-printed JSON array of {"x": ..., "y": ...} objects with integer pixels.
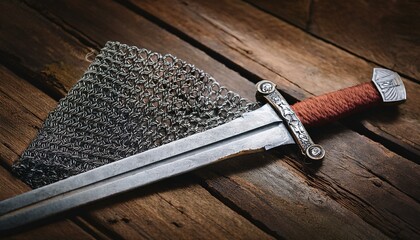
[{"x": 129, "y": 100}]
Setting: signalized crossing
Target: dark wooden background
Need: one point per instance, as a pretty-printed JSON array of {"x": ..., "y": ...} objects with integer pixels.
[{"x": 366, "y": 188}]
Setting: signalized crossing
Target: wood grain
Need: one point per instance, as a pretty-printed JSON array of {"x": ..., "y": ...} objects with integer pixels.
[
  {"x": 296, "y": 12},
  {"x": 385, "y": 32},
  {"x": 160, "y": 211},
  {"x": 180, "y": 210},
  {"x": 356, "y": 176},
  {"x": 61, "y": 229},
  {"x": 173, "y": 209},
  {"x": 21, "y": 116},
  {"x": 20, "y": 119},
  {"x": 343, "y": 199},
  {"x": 25, "y": 58},
  {"x": 301, "y": 65},
  {"x": 110, "y": 30},
  {"x": 362, "y": 190}
]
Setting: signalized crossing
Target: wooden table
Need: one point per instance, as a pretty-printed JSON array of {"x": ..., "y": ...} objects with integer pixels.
[{"x": 368, "y": 185}]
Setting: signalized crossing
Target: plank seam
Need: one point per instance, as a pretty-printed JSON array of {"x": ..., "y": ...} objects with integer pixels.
[
  {"x": 349, "y": 200},
  {"x": 240, "y": 69},
  {"x": 412, "y": 79},
  {"x": 310, "y": 15},
  {"x": 12, "y": 64},
  {"x": 386, "y": 140},
  {"x": 213, "y": 54},
  {"x": 343, "y": 197},
  {"x": 104, "y": 232},
  {"x": 227, "y": 202},
  {"x": 3, "y": 163},
  {"x": 396, "y": 147},
  {"x": 66, "y": 27}
]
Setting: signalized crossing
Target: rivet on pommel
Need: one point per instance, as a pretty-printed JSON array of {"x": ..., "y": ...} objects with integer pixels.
[
  {"x": 266, "y": 87},
  {"x": 315, "y": 152},
  {"x": 266, "y": 90},
  {"x": 389, "y": 85}
]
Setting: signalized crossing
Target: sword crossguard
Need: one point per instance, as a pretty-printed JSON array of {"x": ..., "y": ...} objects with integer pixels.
[
  {"x": 267, "y": 90},
  {"x": 386, "y": 87}
]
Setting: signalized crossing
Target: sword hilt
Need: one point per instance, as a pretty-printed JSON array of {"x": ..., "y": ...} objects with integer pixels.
[{"x": 386, "y": 86}]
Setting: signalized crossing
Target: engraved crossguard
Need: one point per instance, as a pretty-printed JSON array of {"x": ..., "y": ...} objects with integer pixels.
[
  {"x": 268, "y": 91},
  {"x": 161, "y": 117},
  {"x": 386, "y": 86}
]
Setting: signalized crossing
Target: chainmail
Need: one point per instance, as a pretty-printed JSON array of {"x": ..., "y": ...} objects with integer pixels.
[{"x": 128, "y": 101}]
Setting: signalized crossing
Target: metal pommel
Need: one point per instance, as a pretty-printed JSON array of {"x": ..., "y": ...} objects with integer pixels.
[
  {"x": 389, "y": 85},
  {"x": 267, "y": 91}
]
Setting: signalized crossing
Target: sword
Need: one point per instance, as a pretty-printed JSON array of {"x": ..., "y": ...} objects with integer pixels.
[{"x": 272, "y": 125}]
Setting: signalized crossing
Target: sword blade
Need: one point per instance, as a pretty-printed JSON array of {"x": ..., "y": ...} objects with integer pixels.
[{"x": 257, "y": 130}]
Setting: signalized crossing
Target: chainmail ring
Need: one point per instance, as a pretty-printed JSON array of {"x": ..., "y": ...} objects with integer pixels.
[{"x": 128, "y": 101}]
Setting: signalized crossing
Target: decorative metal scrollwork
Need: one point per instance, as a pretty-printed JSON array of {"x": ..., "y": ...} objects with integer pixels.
[{"x": 268, "y": 91}]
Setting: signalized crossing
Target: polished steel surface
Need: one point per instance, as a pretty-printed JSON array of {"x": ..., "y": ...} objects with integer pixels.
[{"x": 257, "y": 130}]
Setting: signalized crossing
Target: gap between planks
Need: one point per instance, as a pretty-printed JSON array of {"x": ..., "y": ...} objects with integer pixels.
[
  {"x": 87, "y": 223},
  {"x": 386, "y": 140},
  {"x": 306, "y": 28}
]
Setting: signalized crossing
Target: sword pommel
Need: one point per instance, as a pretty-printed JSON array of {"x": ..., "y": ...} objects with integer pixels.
[
  {"x": 386, "y": 87},
  {"x": 389, "y": 85}
]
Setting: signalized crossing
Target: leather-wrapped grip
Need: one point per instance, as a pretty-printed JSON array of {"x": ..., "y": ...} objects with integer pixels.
[{"x": 327, "y": 108}]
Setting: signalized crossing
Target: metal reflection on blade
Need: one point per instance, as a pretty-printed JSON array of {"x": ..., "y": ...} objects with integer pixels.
[{"x": 257, "y": 130}]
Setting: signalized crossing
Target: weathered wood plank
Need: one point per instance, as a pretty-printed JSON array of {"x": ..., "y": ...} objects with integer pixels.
[
  {"x": 66, "y": 61},
  {"x": 297, "y": 11},
  {"x": 23, "y": 109},
  {"x": 201, "y": 209},
  {"x": 385, "y": 32},
  {"x": 176, "y": 202},
  {"x": 10, "y": 186},
  {"x": 41, "y": 65},
  {"x": 279, "y": 186},
  {"x": 62, "y": 229},
  {"x": 17, "y": 96},
  {"x": 301, "y": 64},
  {"x": 360, "y": 178},
  {"x": 10, "y": 131}
]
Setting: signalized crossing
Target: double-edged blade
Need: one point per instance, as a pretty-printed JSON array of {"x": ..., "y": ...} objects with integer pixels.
[{"x": 257, "y": 130}]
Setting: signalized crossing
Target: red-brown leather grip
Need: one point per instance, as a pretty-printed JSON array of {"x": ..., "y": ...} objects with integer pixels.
[{"x": 323, "y": 109}]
